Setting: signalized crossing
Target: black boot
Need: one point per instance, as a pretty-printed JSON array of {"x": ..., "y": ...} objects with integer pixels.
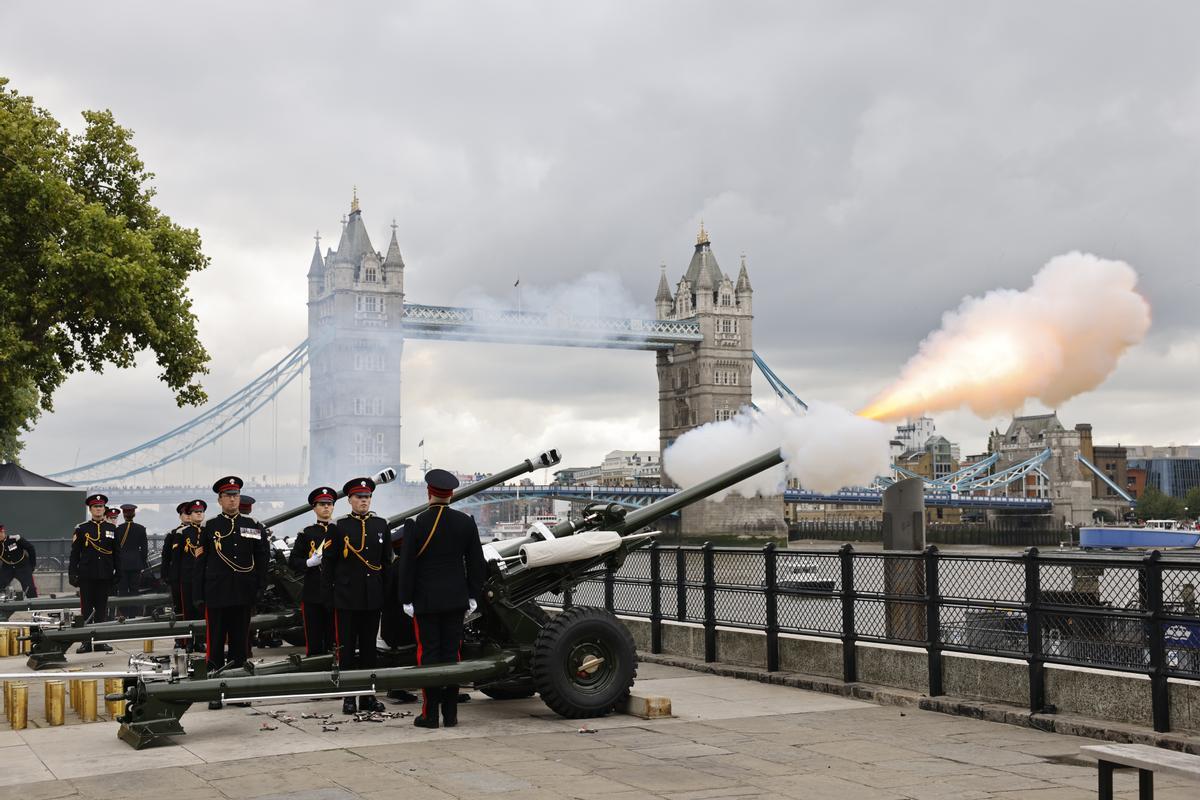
[
  {"x": 428, "y": 718},
  {"x": 215, "y": 705},
  {"x": 103, "y": 648},
  {"x": 86, "y": 647},
  {"x": 348, "y": 707},
  {"x": 402, "y": 696},
  {"x": 368, "y": 702},
  {"x": 449, "y": 706}
]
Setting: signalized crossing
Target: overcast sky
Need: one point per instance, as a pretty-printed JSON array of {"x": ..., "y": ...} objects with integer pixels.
[{"x": 874, "y": 161}]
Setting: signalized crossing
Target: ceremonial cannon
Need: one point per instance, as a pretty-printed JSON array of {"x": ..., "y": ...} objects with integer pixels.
[{"x": 582, "y": 661}]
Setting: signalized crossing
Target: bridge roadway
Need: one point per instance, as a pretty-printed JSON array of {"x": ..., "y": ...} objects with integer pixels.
[{"x": 277, "y": 498}]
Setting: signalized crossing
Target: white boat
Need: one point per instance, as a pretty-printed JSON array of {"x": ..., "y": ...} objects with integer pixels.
[
  {"x": 517, "y": 528},
  {"x": 1156, "y": 533}
]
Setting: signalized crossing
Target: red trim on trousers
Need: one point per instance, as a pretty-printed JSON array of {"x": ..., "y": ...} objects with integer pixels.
[{"x": 304, "y": 622}]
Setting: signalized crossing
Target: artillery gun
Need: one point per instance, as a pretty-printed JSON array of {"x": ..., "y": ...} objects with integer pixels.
[
  {"x": 279, "y": 606},
  {"x": 581, "y": 661}
]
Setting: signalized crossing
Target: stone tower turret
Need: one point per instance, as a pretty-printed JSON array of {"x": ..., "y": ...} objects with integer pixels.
[
  {"x": 709, "y": 381},
  {"x": 355, "y": 307}
]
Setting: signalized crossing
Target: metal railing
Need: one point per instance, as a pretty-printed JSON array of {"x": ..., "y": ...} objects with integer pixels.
[{"x": 1122, "y": 612}]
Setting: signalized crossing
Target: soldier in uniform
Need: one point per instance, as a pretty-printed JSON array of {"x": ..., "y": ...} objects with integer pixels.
[
  {"x": 190, "y": 547},
  {"x": 396, "y": 627},
  {"x": 111, "y": 514},
  {"x": 230, "y": 571},
  {"x": 305, "y": 559},
  {"x": 94, "y": 565},
  {"x": 134, "y": 549},
  {"x": 18, "y": 560},
  {"x": 172, "y": 558},
  {"x": 246, "y": 504},
  {"x": 441, "y": 575},
  {"x": 353, "y": 564}
]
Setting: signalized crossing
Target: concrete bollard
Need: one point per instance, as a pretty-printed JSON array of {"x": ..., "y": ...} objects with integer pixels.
[
  {"x": 114, "y": 707},
  {"x": 55, "y": 713},
  {"x": 87, "y": 700},
  {"x": 13, "y": 644},
  {"x": 20, "y": 707},
  {"x": 3, "y": 645}
]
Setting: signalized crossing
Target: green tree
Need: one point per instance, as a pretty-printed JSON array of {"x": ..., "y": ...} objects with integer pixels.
[
  {"x": 1153, "y": 504},
  {"x": 91, "y": 272},
  {"x": 1192, "y": 501}
]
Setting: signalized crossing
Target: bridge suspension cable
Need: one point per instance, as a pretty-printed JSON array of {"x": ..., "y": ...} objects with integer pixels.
[{"x": 198, "y": 432}]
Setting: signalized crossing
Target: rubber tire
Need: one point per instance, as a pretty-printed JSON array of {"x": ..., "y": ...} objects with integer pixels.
[
  {"x": 581, "y": 624},
  {"x": 510, "y": 690}
]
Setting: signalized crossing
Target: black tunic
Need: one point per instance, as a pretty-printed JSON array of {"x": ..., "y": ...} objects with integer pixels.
[
  {"x": 353, "y": 568},
  {"x": 17, "y": 554},
  {"x": 95, "y": 552},
  {"x": 190, "y": 542},
  {"x": 443, "y": 574},
  {"x": 306, "y": 544},
  {"x": 232, "y": 565},
  {"x": 172, "y": 555},
  {"x": 133, "y": 545}
]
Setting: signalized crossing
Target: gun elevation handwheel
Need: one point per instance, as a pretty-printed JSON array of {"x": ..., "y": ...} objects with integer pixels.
[{"x": 584, "y": 662}]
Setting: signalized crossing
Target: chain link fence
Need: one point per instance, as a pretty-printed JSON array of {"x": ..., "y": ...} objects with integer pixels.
[{"x": 1114, "y": 611}]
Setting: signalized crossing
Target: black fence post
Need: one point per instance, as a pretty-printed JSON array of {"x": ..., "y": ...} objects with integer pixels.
[
  {"x": 710, "y": 606},
  {"x": 1159, "y": 698},
  {"x": 849, "y": 655},
  {"x": 1033, "y": 630},
  {"x": 681, "y": 584},
  {"x": 933, "y": 625},
  {"x": 655, "y": 598},
  {"x": 770, "y": 559},
  {"x": 610, "y": 580}
]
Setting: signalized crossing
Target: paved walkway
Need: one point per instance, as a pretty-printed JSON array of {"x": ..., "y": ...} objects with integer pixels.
[{"x": 730, "y": 739}]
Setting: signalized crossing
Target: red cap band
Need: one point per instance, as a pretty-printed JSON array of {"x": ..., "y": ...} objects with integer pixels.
[
  {"x": 229, "y": 487},
  {"x": 324, "y": 497},
  {"x": 441, "y": 492}
]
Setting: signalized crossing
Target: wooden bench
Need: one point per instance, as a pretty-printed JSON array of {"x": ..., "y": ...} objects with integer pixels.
[{"x": 1146, "y": 760}]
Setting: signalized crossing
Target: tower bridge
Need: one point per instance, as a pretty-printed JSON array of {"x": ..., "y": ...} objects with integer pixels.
[{"x": 359, "y": 318}]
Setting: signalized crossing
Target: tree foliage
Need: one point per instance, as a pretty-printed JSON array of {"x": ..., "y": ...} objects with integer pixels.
[
  {"x": 1192, "y": 501},
  {"x": 1153, "y": 504},
  {"x": 91, "y": 272}
]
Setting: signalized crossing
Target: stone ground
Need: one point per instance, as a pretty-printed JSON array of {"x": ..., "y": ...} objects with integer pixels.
[{"x": 729, "y": 739}]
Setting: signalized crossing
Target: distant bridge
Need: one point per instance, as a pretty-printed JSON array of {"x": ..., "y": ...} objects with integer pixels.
[{"x": 629, "y": 496}]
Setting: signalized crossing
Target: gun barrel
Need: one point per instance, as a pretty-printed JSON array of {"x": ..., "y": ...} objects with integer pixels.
[
  {"x": 383, "y": 476},
  {"x": 642, "y": 517},
  {"x": 62, "y": 601},
  {"x": 546, "y": 459}
]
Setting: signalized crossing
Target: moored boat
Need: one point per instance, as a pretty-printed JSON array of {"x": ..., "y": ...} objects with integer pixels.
[{"x": 1158, "y": 533}]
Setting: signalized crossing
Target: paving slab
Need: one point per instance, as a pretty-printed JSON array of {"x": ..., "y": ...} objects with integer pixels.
[{"x": 741, "y": 740}]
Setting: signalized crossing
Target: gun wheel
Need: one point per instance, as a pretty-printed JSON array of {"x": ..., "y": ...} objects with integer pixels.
[{"x": 584, "y": 663}]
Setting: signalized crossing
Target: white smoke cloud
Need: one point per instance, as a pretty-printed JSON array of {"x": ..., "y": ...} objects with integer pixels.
[
  {"x": 826, "y": 449},
  {"x": 1059, "y": 338}
]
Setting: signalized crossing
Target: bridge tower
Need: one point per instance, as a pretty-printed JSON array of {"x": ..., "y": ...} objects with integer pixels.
[
  {"x": 709, "y": 381},
  {"x": 355, "y": 304}
]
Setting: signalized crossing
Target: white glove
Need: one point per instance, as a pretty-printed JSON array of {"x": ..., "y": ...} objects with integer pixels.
[
  {"x": 471, "y": 605},
  {"x": 315, "y": 559},
  {"x": 408, "y": 609}
]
